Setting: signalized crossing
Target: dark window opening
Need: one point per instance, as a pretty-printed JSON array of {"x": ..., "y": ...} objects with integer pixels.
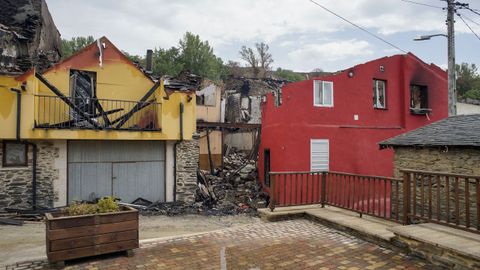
[
  {"x": 83, "y": 88},
  {"x": 200, "y": 100},
  {"x": 266, "y": 166},
  {"x": 15, "y": 154},
  {"x": 419, "y": 99},
  {"x": 379, "y": 94}
]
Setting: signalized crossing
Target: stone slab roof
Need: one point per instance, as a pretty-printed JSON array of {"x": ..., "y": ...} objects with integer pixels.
[{"x": 460, "y": 130}]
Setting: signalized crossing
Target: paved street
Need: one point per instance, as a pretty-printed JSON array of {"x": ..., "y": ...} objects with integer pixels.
[{"x": 296, "y": 244}]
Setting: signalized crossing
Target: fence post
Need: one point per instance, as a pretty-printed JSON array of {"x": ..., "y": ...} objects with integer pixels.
[
  {"x": 406, "y": 198},
  {"x": 271, "y": 205},
  {"x": 323, "y": 198}
]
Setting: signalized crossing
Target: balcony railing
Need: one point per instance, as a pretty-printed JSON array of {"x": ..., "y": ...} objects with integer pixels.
[{"x": 54, "y": 112}]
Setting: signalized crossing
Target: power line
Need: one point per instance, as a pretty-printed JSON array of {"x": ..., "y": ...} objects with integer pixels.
[
  {"x": 468, "y": 26},
  {"x": 474, "y": 11},
  {"x": 359, "y": 27},
  {"x": 422, "y": 4},
  {"x": 469, "y": 19}
]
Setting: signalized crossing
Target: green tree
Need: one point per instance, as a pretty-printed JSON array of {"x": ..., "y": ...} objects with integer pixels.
[
  {"x": 135, "y": 58},
  {"x": 167, "y": 62},
  {"x": 289, "y": 75},
  {"x": 70, "y": 47},
  {"x": 467, "y": 78},
  {"x": 197, "y": 56}
]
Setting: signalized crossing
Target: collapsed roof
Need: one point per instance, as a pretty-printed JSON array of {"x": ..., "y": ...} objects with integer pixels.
[{"x": 28, "y": 36}]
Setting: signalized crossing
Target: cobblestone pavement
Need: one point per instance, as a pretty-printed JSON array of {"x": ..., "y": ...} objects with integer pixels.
[{"x": 295, "y": 244}]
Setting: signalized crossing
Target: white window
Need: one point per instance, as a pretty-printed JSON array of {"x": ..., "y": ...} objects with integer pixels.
[
  {"x": 379, "y": 98},
  {"x": 322, "y": 94},
  {"x": 319, "y": 155}
]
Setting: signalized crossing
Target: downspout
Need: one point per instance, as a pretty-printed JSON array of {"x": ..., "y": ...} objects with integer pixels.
[
  {"x": 175, "y": 154},
  {"x": 34, "y": 147},
  {"x": 19, "y": 111}
]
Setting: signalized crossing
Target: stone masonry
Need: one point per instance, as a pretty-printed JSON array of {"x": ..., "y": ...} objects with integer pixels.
[
  {"x": 16, "y": 182},
  {"x": 443, "y": 160},
  {"x": 187, "y": 164},
  {"x": 451, "y": 160}
]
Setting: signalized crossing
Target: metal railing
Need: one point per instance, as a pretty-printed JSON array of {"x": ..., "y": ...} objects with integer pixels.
[
  {"x": 444, "y": 198},
  {"x": 364, "y": 194},
  {"x": 53, "y": 112}
]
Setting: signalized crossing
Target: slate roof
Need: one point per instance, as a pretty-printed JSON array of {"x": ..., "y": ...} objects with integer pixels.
[{"x": 460, "y": 130}]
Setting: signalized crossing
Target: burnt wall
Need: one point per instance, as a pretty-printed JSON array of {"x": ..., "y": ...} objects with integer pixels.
[{"x": 28, "y": 36}]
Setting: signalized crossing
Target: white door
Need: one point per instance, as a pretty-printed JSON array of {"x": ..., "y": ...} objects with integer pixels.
[{"x": 319, "y": 155}]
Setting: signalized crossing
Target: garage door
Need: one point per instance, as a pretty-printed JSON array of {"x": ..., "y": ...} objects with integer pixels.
[{"x": 125, "y": 169}]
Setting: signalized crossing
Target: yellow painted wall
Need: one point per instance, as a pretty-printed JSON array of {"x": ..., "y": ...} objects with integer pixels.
[
  {"x": 215, "y": 142},
  {"x": 8, "y": 106},
  {"x": 211, "y": 113},
  {"x": 115, "y": 80}
]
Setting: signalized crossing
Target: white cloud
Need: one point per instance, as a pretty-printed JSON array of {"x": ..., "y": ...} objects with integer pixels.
[
  {"x": 291, "y": 27},
  {"x": 321, "y": 54}
]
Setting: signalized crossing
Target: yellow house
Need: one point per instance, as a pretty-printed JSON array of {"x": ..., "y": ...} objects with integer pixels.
[{"x": 93, "y": 125}]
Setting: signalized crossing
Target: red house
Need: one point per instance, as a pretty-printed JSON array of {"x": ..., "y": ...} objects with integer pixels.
[{"x": 335, "y": 122}]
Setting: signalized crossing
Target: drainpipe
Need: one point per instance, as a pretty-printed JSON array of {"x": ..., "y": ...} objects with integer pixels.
[
  {"x": 175, "y": 154},
  {"x": 19, "y": 111},
  {"x": 34, "y": 147}
]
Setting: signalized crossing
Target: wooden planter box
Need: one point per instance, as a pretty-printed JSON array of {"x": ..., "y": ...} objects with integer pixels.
[{"x": 71, "y": 237}]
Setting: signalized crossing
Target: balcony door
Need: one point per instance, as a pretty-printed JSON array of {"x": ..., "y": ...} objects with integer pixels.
[{"x": 83, "y": 86}]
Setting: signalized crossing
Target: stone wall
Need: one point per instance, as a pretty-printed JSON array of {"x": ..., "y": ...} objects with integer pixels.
[
  {"x": 451, "y": 160},
  {"x": 442, "y": 160},
  {"x": 187, "y": 164},
  {"x": 16, "y": 182}
]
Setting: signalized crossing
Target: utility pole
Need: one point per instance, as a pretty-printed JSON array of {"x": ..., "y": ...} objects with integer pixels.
[{"x": 452, "y": 88}]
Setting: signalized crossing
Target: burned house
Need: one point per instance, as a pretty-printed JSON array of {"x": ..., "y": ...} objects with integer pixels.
[
  {"x": 243, "y": 99},
  {"x": 94, "y": 125},
  {"x": 28, "y": 36},
  {"x": 335, "y": 122}
]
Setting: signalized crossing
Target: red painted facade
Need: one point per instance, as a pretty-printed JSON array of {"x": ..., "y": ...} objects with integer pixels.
[{"x": 353, "y": 144}]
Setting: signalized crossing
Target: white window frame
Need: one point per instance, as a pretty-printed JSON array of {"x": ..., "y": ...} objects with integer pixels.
[
  {"x": 376, "y": 103},
  {"x": 327, "y": 141},
  {"x": 316, "y": 102}
]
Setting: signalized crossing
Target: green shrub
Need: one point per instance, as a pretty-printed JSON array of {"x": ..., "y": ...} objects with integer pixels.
[
  {"x": 107, "y": 205},
  {"x": 473, "y": 94},
  {"x": 104, "y": 205}
]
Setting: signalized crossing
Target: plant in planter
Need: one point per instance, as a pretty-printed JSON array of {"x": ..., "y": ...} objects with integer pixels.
[{"x": 83, "y": 230}]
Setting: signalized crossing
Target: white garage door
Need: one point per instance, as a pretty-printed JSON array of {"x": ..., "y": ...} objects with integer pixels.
[{"x": 125, "y": 169}]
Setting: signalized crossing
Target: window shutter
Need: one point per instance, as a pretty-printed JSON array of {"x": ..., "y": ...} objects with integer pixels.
[{"x": 319, "y": 155}]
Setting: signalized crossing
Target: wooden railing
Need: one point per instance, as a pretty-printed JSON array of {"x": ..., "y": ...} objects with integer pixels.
[
  {"x": 443, "y": 198},
  {"x": 370, "y": 195}
]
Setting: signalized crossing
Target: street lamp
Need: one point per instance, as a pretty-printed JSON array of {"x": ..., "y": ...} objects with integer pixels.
[
  {"x": 427, "y": 37},
  {"x": 452, "y": 88}
]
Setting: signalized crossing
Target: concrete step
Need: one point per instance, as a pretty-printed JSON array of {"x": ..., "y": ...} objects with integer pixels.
[{"x": 442, "y": 245}]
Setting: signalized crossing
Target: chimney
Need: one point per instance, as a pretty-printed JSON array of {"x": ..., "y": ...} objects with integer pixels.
[{"x": 149, "y": 61}]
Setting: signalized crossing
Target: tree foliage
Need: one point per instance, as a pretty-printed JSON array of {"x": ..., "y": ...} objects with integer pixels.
[
  {"x": 259, "y": 59},
  {"x": 198, "y": 57},
  {"x": 468, "y": 80},
  {"x": 75, "y": 44},
  {"x": 166, "y": 62},
  {"x": 289, "y": 75}
]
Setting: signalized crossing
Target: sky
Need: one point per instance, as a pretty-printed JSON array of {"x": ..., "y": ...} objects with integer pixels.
[{"x": 301, "y": 35}]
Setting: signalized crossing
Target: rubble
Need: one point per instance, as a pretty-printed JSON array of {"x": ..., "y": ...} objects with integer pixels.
[
  {"x": 28, "y": 36},
  {"x": 229, "y": 191}
]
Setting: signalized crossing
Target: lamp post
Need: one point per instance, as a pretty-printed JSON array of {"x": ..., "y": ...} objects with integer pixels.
[{"x": 452, "y": 88}]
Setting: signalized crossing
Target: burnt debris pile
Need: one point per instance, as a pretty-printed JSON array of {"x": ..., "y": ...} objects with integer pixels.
[{"x": 228, "y": 191}]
